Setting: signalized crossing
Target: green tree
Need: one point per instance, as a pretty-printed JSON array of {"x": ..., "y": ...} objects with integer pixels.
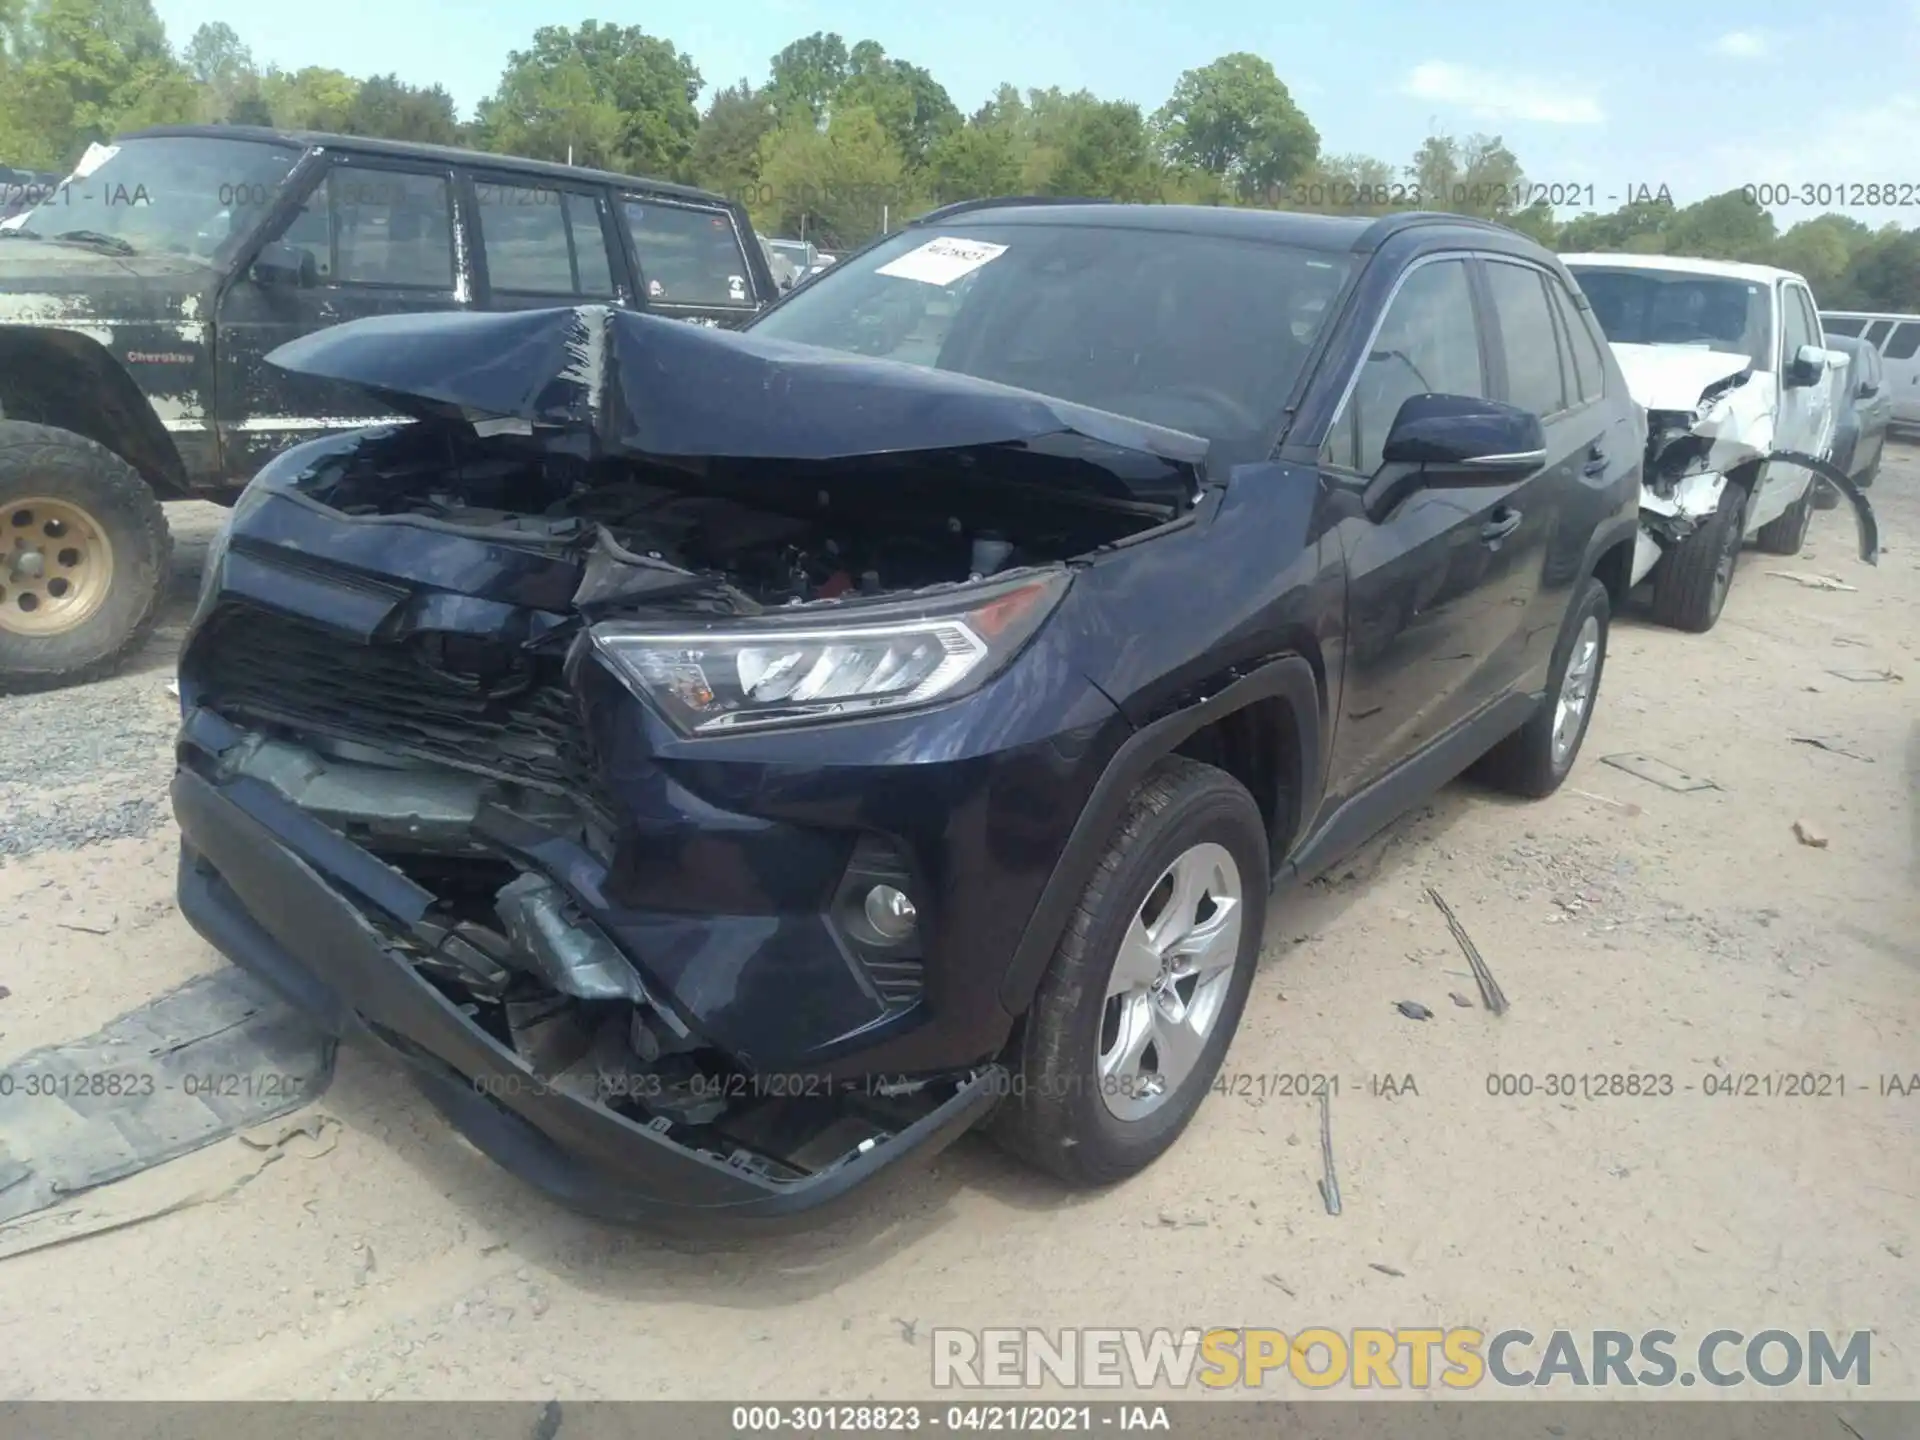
[
  {"x": 87, "y": 69},
  {"x": 974, "y": 162},
  {"x": 1100, "y": 148},
  {"x": 1639, "y": 225},
  {"x": 1728, "y": 226},
  {"x": 1822, "y": 249},
  {"x": 726, "y": 148},
  {"x": 388, "y": 107},
  {"x": 621, "y": 98},
  {"x": 807, "y": 75},
  {"x": 222, "y": 67},
  {"x": 314, "y": 97},
  {"x": 1884, "y": 274},
  {"x": 837, "y": 186},
  {"x": 1476, "y": 176},
  {"x": 1342, "y": 185},
  {"x": 1236, "y": 119},
  {"x": 911, "y": 106}
]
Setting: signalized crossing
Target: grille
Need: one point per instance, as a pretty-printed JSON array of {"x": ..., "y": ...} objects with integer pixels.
[{"x": 258, "y": 665}]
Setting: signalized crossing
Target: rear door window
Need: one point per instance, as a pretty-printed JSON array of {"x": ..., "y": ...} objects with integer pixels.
[
  {"x": 540, "y": 241},
  {"x": 1878, "y": 331},
  {"x": 1589, "y": 366},
  {"x": 689, "y": 254},
  {"x": 1843, "y": 325}
]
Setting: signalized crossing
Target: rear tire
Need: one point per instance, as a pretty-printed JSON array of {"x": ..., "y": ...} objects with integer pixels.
[
  {"x": 1787, "y": 531},
  {"x": 84, "y": 558},
  {"x": 1536, "y": 758},
  {"x": 1691, "y": 581},
  {"x": 1079, "y": 1108}
]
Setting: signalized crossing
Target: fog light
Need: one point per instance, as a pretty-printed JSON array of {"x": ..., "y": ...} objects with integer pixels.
[{"x": 890, "y": 912}]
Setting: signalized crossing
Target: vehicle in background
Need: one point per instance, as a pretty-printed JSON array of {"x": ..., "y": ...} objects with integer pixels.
[
  {"x": 1729, "y": 362},
  {"x": 825, "y": 259},
  {"x": 717, "y": 803},
  {"x": 800, "y": 254},
  {"x": 138, "y": 300},
  {"x": 785, "y": 276},
  {"x": 1864, "y": 410},
  {"x": 1897, "y": 338}
]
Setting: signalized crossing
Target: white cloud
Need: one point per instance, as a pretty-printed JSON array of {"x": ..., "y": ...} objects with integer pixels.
[
  {"x": 1743, "y": 45},
  {"x": 1496, "y": 95}
]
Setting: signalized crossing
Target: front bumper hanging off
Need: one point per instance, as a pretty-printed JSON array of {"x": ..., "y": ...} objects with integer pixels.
[{"x": 294, "y": 902}]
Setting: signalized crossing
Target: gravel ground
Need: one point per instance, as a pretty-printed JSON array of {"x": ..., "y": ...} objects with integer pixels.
[{"x": 1634, "y": 929}]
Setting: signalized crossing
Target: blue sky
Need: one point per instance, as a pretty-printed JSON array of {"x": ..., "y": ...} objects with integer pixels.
[{"x": 1698, "y": 98}]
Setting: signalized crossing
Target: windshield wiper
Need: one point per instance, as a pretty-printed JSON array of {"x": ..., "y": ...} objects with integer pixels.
[{"x": 97, "y": 237}]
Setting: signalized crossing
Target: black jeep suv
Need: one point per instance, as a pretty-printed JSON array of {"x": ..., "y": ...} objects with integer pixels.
[
  {"x": 721, "y": 763},
  {"x": 139, "y": 295}
]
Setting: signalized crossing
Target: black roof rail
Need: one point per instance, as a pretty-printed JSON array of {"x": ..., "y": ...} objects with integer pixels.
[
  {"x": 1377, "y": 233},
  {"x": 995, "y": 202}
]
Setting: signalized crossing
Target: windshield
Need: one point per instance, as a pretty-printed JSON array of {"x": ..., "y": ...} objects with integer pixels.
[
  {"x": 1199, "y": 333},
  {"x": 174, "y": 195},
  {"x": 1674, "y": 307}
]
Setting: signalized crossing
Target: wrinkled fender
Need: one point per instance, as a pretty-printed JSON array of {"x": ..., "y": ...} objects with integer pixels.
[
  {"x": 1863, "y": 516},
  {"x": 116, "y": 414},
  {"x": 1289, "y": 678}
]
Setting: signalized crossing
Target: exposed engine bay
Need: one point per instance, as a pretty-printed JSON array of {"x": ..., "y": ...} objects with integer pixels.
[{"x": 749, "y": 534}]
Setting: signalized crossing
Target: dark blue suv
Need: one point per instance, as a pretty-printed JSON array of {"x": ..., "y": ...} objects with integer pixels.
[{"x": 722, "y": 764}]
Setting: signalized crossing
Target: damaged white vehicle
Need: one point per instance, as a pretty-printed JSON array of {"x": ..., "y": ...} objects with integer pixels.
[{"x": 1727, "y": 361}]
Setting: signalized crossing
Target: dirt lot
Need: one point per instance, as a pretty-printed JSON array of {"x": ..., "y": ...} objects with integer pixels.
[{"x": 1633, "y": 928}]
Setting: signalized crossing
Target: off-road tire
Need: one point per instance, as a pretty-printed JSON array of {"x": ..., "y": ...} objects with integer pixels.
[
  {"x": 1054, "y": 1116},
  {"x": 1524, "y": 763},
  {"x": 1787, "y": 531},
  {"x": 39, "y": 460},
  {"x": 1686, "y": 594}
]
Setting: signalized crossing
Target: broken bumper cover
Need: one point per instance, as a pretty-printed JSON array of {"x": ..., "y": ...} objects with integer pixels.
[{"x": 274, "y": 890}]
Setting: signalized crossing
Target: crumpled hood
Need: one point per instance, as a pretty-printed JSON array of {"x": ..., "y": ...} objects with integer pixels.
[
  {"x": 645, "y": 385},
  {"x": 1672, "y": 377}
]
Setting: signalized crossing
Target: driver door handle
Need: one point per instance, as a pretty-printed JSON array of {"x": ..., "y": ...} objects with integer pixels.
[{"x": 1505, "y": 521}]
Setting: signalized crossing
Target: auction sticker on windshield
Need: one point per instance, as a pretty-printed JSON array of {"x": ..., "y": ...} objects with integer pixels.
[{"x": 942, "y": 260}]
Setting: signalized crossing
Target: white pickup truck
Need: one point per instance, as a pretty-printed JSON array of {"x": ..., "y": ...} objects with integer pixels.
[{"x": 1729, "y": 364}]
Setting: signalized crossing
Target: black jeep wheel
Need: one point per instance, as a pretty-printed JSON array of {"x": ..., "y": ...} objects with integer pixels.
[
  {"x": 1135, "y": 1013},
  {"x": 1538, "y": 756},
  {"x": 1691, "y": 581},
  {"x": 84, "y": 557},
  {"x": 1787, "y": 531}
]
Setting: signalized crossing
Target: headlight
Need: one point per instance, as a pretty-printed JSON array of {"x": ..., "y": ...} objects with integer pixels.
[{"x": 789, "y": 670}]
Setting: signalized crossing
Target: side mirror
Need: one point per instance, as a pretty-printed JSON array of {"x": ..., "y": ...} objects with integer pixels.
[
  {"x": 1807, "y": 367},
  {"x": 281, "y": 264},
  {"x": 1456, "y": 440}
]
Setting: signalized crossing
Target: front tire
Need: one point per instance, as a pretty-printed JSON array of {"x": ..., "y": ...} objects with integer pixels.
[
  {"x": 1536, "y": 758},
  {"x": 1136, "y": 1011},
  {"x": 84, "y": 557},
  {"x": 1691, "y": 581}
]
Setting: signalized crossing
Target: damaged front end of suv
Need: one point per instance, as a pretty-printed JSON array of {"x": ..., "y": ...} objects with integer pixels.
[{"x": 499, "y": 738}]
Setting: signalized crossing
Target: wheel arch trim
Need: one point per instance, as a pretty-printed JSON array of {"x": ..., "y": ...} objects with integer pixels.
[{"x": 1289, "y": 678}]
